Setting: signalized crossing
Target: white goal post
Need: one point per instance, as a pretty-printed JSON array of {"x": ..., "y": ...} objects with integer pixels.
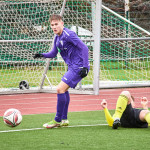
[{"x": 119, "y": 50}]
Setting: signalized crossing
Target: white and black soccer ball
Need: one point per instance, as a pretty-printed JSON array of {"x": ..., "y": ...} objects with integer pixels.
[{"x": 12, "y": 117}]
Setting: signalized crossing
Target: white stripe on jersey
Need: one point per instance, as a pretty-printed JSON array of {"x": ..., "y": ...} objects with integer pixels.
[{"x": 66, "y": 33}]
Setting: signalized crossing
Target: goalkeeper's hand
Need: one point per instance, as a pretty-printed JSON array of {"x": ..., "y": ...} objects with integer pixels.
[
  {"x": 104, "y": 103},
  {"x": 37, "y": 55},
  {"x": 144, "y": 102},
  {"x": 83, "y": 72}
]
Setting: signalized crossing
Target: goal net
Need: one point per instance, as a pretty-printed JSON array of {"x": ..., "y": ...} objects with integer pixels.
[
  {"x": 25, "y": 30},
  {"x": 125, "y": 54}
]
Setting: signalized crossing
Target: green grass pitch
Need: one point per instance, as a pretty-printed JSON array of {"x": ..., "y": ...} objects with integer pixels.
[{"x": 91, "y": 136}]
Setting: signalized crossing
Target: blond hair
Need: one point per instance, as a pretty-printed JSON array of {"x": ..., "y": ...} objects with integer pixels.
[{"x": 55, "y": 17}]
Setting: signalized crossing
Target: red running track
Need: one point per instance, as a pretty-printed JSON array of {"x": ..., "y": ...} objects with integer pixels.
[{"x": 38, "y": 103}]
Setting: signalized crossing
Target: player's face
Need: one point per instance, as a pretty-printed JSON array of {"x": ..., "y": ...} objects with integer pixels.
[{"x": 57, "y": 26}]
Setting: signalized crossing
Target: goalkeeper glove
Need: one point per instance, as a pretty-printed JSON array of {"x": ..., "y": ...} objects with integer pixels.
[
  {"x": 83, "y": 72},
  {"x": 37, "y": 55}
]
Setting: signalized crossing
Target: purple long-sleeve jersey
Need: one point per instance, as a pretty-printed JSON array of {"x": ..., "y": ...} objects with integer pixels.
[{"x": 71, "y": 48}]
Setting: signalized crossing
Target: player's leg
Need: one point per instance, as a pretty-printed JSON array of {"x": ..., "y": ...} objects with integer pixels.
[
  {"x": 145, "y": 116},
  {"x": 61, "y": 101},
  {"x": 65, "y": 111},
  {"x": 65, "y": 121},
  {"x": 123, "y": 100},
  {"x": 71, "y": 78}
]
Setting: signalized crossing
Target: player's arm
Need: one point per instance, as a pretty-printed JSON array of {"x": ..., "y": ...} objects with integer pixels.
[
  {"x": 50, "y": 54},
  {"x": 83, "y": 48},
  {"x": 144, "y": 102},
  {"x": 108, "y": 116},
  {"x": 75, "y": 40},
  {"x": 84, "y": 51}
]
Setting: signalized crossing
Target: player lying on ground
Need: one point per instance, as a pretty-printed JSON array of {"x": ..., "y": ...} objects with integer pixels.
[
  {"x": 125, "y": 114},
  {"x": 75, "y": 54}
]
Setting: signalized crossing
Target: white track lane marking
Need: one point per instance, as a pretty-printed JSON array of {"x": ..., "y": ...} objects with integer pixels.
[{"x": 32, "y": 129}]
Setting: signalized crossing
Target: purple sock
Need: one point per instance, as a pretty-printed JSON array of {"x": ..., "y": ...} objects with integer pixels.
[
  {"x": 65, "y": 111},
  {"x": 61, "y": 100}
]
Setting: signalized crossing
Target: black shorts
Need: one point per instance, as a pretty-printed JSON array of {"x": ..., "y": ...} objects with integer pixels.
[{"x": 130, "y": 118}]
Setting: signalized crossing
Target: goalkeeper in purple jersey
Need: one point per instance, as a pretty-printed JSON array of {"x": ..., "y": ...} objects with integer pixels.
[{"x": 75, "y": 54}]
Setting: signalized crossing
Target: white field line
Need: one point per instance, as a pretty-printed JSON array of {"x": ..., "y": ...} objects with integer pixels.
[{"x": 33, "y": 129}]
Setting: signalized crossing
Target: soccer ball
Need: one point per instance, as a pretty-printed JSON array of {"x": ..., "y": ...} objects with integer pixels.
[{"x": 12, "y": 117}]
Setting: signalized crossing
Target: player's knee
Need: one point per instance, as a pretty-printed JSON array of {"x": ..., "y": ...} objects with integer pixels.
[
  {"x": 143, "y": 114},
  {"x": 60, "y": 90},
  {"x": 127, "y": 94}
]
